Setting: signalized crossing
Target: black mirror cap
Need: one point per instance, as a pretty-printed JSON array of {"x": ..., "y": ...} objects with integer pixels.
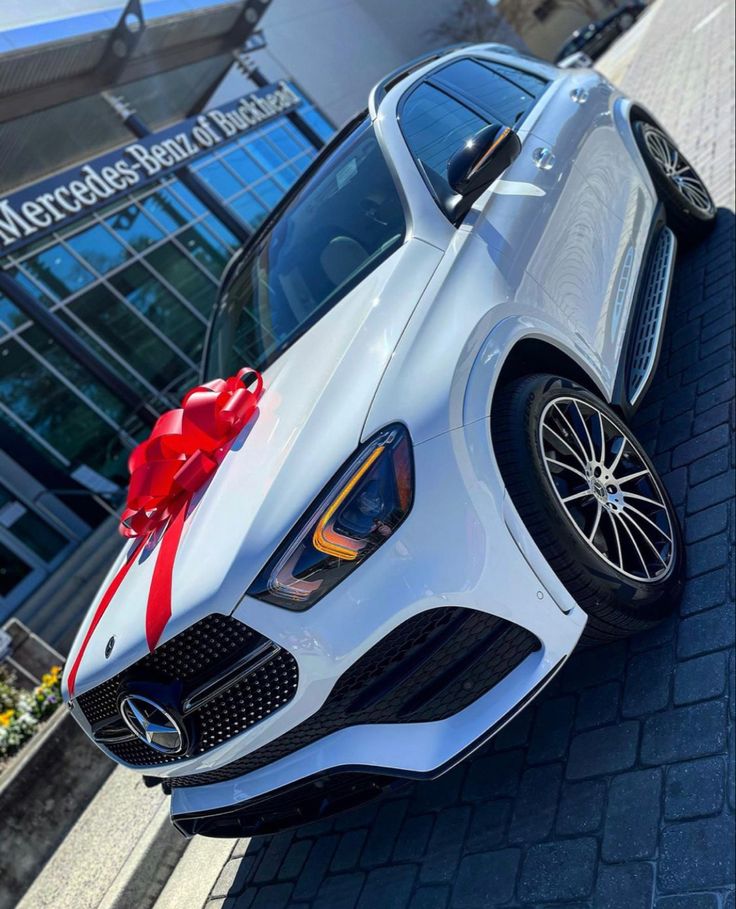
[{"x": 482, "y": 159}]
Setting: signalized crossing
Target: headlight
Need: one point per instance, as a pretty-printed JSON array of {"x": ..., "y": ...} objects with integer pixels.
[{"x": 356, "y": 514}]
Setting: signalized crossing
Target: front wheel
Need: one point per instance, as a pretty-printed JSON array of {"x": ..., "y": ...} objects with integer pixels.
[
  {"x": 591, "y": 499},
  {"x": 691, "y": 212}
]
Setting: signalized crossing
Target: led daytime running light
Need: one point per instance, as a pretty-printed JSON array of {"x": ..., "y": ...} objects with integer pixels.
[{"x": 325, "y": 539}]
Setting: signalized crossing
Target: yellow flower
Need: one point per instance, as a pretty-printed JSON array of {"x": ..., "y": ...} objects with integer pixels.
[
  {"x": 47, "y": 680},
  {"x": 6, "y": 717}
]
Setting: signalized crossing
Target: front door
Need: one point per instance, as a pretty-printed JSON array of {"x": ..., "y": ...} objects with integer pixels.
[{"x": 603, "y": 224}]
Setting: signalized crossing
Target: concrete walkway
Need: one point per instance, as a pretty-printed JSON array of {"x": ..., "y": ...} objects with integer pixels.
[{"x": 118, "y": 855}]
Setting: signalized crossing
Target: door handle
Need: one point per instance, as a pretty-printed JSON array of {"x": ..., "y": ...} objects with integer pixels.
[{"x": 543, "y": 158}]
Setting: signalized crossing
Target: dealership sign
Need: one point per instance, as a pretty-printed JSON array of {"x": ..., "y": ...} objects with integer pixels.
[{"x": 38, "y": 209}]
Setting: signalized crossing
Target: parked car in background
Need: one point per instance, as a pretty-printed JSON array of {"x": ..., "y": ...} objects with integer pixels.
[
  {"x": 578, "y": 60},
  {"x": 596, "y": 37},
  {"x": 455, "y": 310}
]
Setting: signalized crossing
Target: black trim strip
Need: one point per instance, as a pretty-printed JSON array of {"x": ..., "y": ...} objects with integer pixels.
[{"x": 179, "y": 821}]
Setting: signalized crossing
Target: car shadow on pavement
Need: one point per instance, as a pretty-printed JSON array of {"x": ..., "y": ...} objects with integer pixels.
[{"x": 616, "y": 784}]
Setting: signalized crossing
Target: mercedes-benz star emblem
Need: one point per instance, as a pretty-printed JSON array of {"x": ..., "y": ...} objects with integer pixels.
[{"x": 152, "y": 724}]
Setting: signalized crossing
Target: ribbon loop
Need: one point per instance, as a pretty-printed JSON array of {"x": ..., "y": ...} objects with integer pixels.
[{"x": 185, "y": 448}]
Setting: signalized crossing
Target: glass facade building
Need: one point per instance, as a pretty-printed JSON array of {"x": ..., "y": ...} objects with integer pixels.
[{"x": 135, "y": 281}]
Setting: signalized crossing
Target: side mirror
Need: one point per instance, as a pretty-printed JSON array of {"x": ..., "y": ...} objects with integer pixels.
[{"x": 479, "y": 162}]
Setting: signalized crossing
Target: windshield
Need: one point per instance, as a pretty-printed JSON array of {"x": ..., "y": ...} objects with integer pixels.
[{"x": 345, "y": 221}]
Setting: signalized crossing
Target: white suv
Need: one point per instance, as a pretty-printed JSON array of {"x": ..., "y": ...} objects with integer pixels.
[{"x": 454, "y": 310}]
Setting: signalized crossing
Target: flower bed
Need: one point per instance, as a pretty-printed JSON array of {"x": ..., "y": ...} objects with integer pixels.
[{"x": 22, "y": 711}]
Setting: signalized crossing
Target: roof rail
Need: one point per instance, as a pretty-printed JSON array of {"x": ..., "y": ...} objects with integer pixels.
[{"x": 381, "y": 89}]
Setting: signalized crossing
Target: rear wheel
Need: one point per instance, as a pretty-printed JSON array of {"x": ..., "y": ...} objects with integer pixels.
[
  {"x": 592, "y": 501},
  {"x": 690, "y": 209}
]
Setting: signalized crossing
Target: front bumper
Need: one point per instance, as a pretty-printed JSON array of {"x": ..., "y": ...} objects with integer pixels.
[{"x": 462, "y": 546}]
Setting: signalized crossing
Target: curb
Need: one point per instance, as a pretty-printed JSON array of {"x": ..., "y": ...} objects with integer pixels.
[
  {"x": 197, "y": 873},
  {"x": 149, "y": 865}
]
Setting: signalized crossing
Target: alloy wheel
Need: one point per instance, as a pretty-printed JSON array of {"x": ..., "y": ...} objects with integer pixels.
[
  {"x": 607, "y": 490},
  {"x": 677, "y": 169}
]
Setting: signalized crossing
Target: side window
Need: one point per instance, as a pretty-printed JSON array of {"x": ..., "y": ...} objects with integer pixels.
[
  {"x": 435, "y": 126},
  {"x": 491, "y": 88},
  {"x": 533, "y": 85}
]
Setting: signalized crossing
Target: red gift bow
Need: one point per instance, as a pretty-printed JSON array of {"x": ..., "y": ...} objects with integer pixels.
[{"x": 185, "y": 448}]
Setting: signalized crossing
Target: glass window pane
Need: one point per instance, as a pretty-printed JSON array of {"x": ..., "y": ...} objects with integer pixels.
[
  {"x": 323, "y": 245},
  {"x": 185, "y": 277},
  {"x": 435, "y": 126},
  {"x": 217, "y": 176},
  {"x": 288, "y": 140},
  {"x": 33, "y": 289},
  {"x": 180, "y": 191},
  {"x": 123, "y": 369},
  {"x": 166, "y": 209},
  {"x": 99, "y": 248},
  {"x": 244, "y": 165},
  {"x": 249, "y": 210},
  {"x": 59, "y": 416},
  {"x": 503, "y": 100},
  {"x": 12, "y": 571},
  {"x": 74, "y": 371},
  {"x": 287, "y": 175},
  {"x": 10, "y": 315},
  {"x": 318, "y": 123},
  {"x": 265, "y": 153},
  {"x": 35, "y": 533},
  {"x": 227, "y": 237},
  {"x": 269, "y": 193},
  {"x": 153, "y": 300},
  {"x": 58, "y": 271},
  {"x": 136, "y": 228},
  {"x": 532, "y": 84},
  {"x": 206, "y": 249},
  {"x": 128, "y": 335}
]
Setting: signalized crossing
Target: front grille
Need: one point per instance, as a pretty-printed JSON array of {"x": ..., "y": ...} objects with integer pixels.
[
  {"x": 650, "y": 314},
  {"x": 193, "y": 658},
  {"x": 429, "y": 668}
]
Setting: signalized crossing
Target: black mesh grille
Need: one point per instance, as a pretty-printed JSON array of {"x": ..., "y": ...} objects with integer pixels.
[
  {"x": 193, "y": 657},
  {"x": 429, "y": 668}
]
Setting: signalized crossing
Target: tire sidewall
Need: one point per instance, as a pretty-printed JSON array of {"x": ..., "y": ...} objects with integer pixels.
[
  {"x": 675, "y": 203},
  {"x": 637, "y": 600}
]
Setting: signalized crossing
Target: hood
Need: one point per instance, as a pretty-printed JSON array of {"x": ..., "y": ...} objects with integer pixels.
[{"x": 310, "y": 419}]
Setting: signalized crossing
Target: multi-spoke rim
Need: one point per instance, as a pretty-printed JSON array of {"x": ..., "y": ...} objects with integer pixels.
[
  {"x": 677, "y": 169},
  {"x": 606, "y": 489}
]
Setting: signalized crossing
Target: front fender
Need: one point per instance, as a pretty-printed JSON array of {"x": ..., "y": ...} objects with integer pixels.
[{"x": 497, "y": 348}]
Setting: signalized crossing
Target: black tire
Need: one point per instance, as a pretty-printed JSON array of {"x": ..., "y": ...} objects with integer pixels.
[
  {"x": 690, "y": 223},
  {"x": 617, "y": 604}
]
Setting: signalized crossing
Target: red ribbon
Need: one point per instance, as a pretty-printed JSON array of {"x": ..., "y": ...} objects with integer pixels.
[{"x": 185, "y": 448}]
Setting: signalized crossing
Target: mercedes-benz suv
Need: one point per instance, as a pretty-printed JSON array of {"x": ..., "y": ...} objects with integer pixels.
[{"x": 455, "y": 311}]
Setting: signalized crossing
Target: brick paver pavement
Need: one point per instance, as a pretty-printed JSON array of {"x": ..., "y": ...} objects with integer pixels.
[{"x": 615, "y": 790}]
